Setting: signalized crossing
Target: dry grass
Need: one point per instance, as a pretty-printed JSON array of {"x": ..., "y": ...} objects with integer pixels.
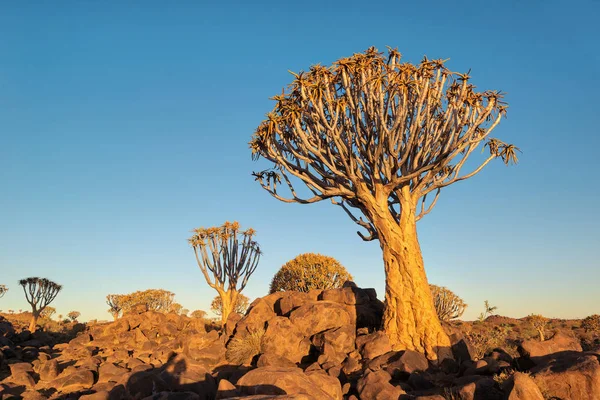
[{"x": 241, "y": 349}]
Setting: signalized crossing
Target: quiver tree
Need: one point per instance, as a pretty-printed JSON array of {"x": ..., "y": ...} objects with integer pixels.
[
  {"x": 47, "y": 312},
  {"x": 310, "y": 271},
  {"x": 539, "y": 323},
  {"x": 115, "y": 303},
  {"x": 73, "y": 315},
  {"x": 380, "y": 138},
  {"x": 39, "y": 292},
  {"x": 3, "y": 290},
  {"x": 198, "y": 314},
  {"x": 240, "y": 306},
  {"x": 227, "y": 257},
  {"x": 447, "y": 305}
]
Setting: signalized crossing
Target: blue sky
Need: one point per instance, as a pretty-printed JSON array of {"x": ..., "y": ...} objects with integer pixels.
[{"x": 122, "y": 127}]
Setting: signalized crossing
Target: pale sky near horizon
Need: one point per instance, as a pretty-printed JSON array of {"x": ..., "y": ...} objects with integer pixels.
[{"x": 123, "y": 127}]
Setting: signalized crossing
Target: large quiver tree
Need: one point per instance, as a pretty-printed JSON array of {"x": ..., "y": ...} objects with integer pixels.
[
  {"x": 39, "y": 292},
  {"x": 380, "y": 138},
  {"x": 227, "y": 257}
]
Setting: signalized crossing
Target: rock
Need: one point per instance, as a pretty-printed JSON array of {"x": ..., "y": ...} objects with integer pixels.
[
  {"x": 346, "y": 295},
  {"x": 143, "y": 384},
  {"x": 81, "y": 340},
  {"x": 336, "y": 341},
  {"x": 23, "y": 378},
  {"x": 110, "y": 371},
  {"x": 182, "y": 374},
  {"x": 278, "y": 381},
  {"x": 534, "y": 349},
  {"x": 461, "y": 349},
  {"x": 231, "y": 323},
  {"x": 290, "y": 301},
  {"x": 49, "y": 370},
  {"x": 319, "y": 316},
  {"x": 257, "y": 316},
  {"x": 571, "y": 376},
  {"x": 400, "y": 364},
  {"x": 329, "y": 384},
  {"x": 274, "y": 360},
  {"x": 377, "y": 386},
  {"x": 479, "y": 388},
  {"x": 173, "y": 396},
  {"x": 33, "y": 395},
  {"x": 73, "y": 381},
  {"x": 226, "y": 390},
  {"x": 283, "y": 338},
  {"x": 521, "y": 387},
  {"x": 373, "y": 345}
]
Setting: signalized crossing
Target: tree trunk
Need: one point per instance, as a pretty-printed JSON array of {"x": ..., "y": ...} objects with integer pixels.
[
  {"x": 115, "y": 316},
  {"x": 33, "y": 323},
  {"x": 228, "y": 300},
  {"x": 409, "y": 320}
]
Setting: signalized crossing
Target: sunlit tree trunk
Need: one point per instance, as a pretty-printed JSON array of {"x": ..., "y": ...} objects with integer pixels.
[
  {"x": 228, "y": 301},
  {"x": 33, "y": 324},
  {"x": 410, "y": 320}
]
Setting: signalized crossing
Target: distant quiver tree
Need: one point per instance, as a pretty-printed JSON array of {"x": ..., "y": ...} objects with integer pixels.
[
  {"x": 39, "y": 292},
  {"x": 381, "y": 139},
  {"x": 448, "y": 305},
  {"x": 227, "y": 257},
  {"x": 3, "y": 290},
  {"x": 310, "y": 271}
]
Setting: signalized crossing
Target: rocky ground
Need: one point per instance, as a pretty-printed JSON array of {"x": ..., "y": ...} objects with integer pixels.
[{"x": 290, "y": 345}]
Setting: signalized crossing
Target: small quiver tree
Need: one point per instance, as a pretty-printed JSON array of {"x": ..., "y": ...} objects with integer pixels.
[
  {"x": 380, "y": 138},
  {"x": 227, "y": 257},
  {"x": 448, "y": 305},
  {"x": 240, "y": 306},
  {"x": 115, "y": 304},
  {"x": 39, "y": 292},
  {"x": 310, "y": 271},
  {"x": 198, "y": 314},
  {"x": 3, "y": 290},
  {"x": 73, "y": 315},
  {"x": 539, "y": 323}
]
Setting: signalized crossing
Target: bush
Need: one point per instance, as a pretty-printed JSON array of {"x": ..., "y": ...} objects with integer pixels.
[
  {"x": 591, "y": 323},
  {"x": 310, "y": 271},
  {"x": 447, "y": 304},
  {"x": 242, "y": 348}
]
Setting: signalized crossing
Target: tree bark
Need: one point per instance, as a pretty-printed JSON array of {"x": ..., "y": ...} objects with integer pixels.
[
  {"x": 33, "y": 323},
  {"x": 409, "y": 320},
  {"x": 228, "y": 300}
]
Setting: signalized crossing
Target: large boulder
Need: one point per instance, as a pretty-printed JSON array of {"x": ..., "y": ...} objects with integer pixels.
[
  {"x": 260, "y": 311},
  {"x": 535, "y": 350},
  {"x": 520, "y": 386},
  {"x": 319, "y": 316},
  {"x": 373, "y": 345},
  {"x": 377, "y": 386},
  {"x": 573, "y": 376},
  {"x": 400, "y": 364},
  {"x": 283, "y": 338},
  {"x": 287, "y": 381}
]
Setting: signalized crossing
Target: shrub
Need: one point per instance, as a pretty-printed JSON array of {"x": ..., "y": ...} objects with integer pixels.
[
  {"x": 243, "y": 348},
  {"x": 540, "y": 323},
  {"x": 447, "y": 304},
  {"x": 240, "y": 307},
  {"x": 591, "y": 323},
  {"x": 310, "y": 271}
]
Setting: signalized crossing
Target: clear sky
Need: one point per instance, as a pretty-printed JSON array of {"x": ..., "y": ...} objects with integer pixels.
[{"x": 122, "y": 127}]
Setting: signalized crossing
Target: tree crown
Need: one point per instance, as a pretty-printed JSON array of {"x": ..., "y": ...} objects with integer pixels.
[
  {"x": 3, "y": 290},
  {"x": 370, "y": 128},
  {"x": 228, "y": 253},
  {"x": 447, "y": 304},
  {"x": 310, "y": 271},
  {"x": 39, "y": 292}
]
